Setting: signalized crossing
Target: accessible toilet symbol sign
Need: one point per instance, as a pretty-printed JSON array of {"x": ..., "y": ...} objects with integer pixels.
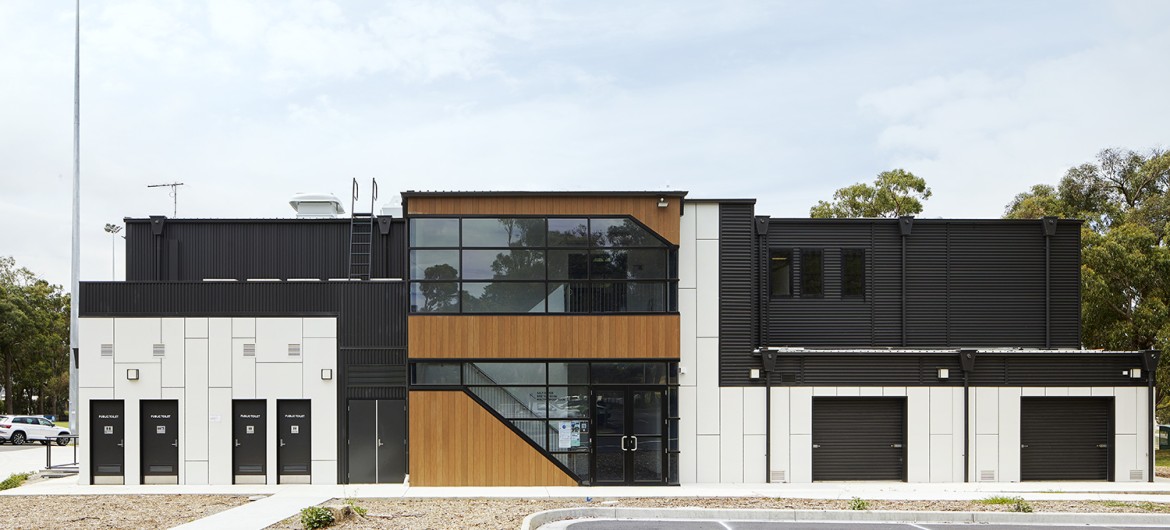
[
  {"x": 250, "y": 429},
  {"x": 296, "y": 429},
  {"x": 107, "y": 429},
  {"x": 160, "y": 429}
]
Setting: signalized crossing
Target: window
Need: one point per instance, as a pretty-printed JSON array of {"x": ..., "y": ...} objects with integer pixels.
[
  {"x": 852, "y": 273},
  {"x": 812, "y": 272},
  {"x": 780, "y": 272},
  {"x": 526, "y": 265}
]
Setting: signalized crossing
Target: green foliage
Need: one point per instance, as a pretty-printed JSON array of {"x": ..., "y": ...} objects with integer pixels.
[
  {"x": 14, "y": 480},
  {"x": 315, "y": 517},
  {"x": 1124, "y": 198},
  {"x": 857, "y": 503},
  {"x": 34, "y": 341},
  {"x": 356, "y": 509},
  {"x": 997, "y": 499},
  {"x": 894, "y": 193},
  {"x": 1021, "y": 505}
]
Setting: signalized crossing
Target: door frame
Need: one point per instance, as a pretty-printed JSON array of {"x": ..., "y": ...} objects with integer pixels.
[
  {"x": 294, "y": 478},
  {"x": 94, "y": 476},
  {"x": 250, "y": 478},
  {"x": 628, "y": 455},
  {"x": 905, "y": 456},
  {"x": 143, "y": 435}
]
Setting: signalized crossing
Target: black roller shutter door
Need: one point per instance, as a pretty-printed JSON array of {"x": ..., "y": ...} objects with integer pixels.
[
  {"x": 1066, "y": 438},
  {"x": 858, "y": 438}
]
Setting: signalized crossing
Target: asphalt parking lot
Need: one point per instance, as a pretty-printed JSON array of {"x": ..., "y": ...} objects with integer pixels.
[{"x": 760, "y": 525}]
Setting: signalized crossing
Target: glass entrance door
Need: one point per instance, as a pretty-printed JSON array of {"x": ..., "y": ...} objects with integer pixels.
[{"x": 628, "y": 436}]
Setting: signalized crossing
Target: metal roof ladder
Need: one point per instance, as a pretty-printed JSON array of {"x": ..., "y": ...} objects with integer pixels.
[{"x": 361, "y": 235}]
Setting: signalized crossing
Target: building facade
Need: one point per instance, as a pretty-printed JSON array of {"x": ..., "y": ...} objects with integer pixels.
[{"x": 593, "y": 338}]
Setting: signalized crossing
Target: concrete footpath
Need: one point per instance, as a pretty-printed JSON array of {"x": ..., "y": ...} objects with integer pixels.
[{"x": 282, "y": 501}]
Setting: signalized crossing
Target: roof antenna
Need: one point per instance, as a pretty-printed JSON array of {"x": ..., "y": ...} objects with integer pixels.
[{"x": 174, "y": 194}]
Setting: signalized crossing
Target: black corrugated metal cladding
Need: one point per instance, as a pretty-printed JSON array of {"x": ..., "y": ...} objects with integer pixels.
[{"x": 736, "y": 292}]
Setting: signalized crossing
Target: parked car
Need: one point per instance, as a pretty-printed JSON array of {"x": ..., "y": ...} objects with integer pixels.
[{"x": 21, "y": 429}]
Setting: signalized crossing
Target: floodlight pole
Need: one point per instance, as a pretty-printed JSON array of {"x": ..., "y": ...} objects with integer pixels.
[{"x": 74, "y": 291}]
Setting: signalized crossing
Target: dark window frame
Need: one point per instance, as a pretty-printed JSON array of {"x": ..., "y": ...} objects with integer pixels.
[
  {"x": 669, "y": 281},
  {"x": 845, "y": 273},
  {"x": 791, "y": 278},
  {"x": 804, "y": 280}
]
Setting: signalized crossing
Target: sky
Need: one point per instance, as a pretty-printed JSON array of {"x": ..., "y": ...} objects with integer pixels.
[{"x": 250, "y": 102}]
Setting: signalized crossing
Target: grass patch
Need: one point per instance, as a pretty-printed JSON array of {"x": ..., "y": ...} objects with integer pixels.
[
  {"x": 857, "y": 503},
  {"x": 14, "y": 480},
  {"x": 1162, "y": 458},
  {"x": 997, "y": 499}
]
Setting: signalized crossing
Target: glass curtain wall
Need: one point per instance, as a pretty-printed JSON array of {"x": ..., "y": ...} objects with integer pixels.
[{"x": 526, "y": 265}]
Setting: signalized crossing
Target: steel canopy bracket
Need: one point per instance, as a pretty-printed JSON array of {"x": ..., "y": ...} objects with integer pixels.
[{"x": 967, "y": 360}]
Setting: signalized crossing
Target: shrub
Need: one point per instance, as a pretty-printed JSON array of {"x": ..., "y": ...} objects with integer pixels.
[
  {"x": 315, "y": 517},
  {"x": 997, "y": 499},
  {"x": 14, "y": 480},
  {"x": 857, "y": 503},
  {"x": 1021, "y": 505}
]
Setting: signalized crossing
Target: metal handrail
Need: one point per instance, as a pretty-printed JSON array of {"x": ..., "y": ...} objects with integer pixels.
[{"x": 49, "y": 450}]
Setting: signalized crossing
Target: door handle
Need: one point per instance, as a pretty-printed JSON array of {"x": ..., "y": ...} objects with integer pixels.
[
  {"x": 896, "y": 445},
  {"x": 175, "y": 443},
  {"x": 282, "y": 442},
  {"x": 120, "y": 443},
  {"x": 635, "y": 443},
  {"x": 237, "y": 442},
  {"x": 624, "y": 443},
  {"x": 1102, "y": 446},
  {"x": 816, "y": 446},
  {"x": 1023, "y": 446},
  {"x": 380, "y": 444}
]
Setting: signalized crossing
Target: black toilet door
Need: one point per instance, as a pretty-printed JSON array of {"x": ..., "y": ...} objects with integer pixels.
[
  {"x": 294, "y": 447},
  {"x": 250, "y": 438},
  {"x": 107, "y": 440},
  {"x": 160, "y": 441}
]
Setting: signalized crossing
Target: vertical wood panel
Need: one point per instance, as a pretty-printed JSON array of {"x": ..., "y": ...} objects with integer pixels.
[
  {"x": 664, "y": 221},
  {"x": 560, "y": 337},
  {"x": 455, "y": 442}
]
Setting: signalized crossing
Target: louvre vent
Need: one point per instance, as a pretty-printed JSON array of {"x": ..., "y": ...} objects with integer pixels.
[
  {"x": 160, "y": 350},
  {"x": 249, "y": 350},
  {"x": 1136, "y": 474},
  {"x": 294, "y": 350},
  {"x": 778, "y": 476},
  {"x": 987, "y": 475},
  {"x": 107, "y": 350}
]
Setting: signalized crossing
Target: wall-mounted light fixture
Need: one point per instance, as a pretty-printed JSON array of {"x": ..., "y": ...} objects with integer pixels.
[
  {"x": 1135, "y": 373},
  {"x": 132, "y": 374},
  {"x": 944, "y": 373},
  {"x": 326, "y": 374},
  {"x": 754, "y": 373},
  {"x": 662, "y": 202}
]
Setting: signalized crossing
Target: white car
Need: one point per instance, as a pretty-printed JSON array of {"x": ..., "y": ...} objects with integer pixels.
[{"x": 21, "y": 429}]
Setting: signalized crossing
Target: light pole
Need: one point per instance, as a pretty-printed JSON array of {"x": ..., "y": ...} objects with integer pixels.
[{"x": 113, "y": 231}]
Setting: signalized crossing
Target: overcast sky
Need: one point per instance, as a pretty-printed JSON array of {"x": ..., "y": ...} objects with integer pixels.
[{"x": 249, "y": 102}]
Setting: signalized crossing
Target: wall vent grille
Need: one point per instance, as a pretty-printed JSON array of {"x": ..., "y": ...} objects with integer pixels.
[
  {"x": 107, "y": 350},
  {"x": 160, "y": 350},
  {"x": 249, "y": 350},
  {"x": 987, "y": 475},
  {"x": 778, "y": 476},
  {"x": 294, "y": 350},
  {"x": 1137, "y": 474}
]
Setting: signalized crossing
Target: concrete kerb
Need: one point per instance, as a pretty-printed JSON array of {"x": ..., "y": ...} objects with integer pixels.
[{"x": 538, "y": 519}]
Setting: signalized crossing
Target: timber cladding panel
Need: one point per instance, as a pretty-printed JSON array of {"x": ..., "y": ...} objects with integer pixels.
[
  {"x": 664, "y": 221},
  {"x": 547, "y": 337},
  {"x": 455, "y": 442}
]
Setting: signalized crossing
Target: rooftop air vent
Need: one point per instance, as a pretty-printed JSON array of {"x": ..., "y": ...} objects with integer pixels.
[{"x": 316, "y": 206}]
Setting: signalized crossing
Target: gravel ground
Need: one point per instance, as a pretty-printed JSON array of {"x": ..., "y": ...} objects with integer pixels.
[
  {"x": 110, "y": 511},
  {"x": 419, "y": 514}
]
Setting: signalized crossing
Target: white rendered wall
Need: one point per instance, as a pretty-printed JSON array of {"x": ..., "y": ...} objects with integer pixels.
[{"x": 204, "y": 369}]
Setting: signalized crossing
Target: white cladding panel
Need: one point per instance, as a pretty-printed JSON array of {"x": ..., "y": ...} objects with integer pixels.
[
  {"x": 194, "y": 414},
  {"x": 688, "y": 355},
  {"x": 708, "y": 386},
  {"x": 219, "y": 352},
  {"x": 706, "y": 220},
  {"x": 219, "y": 435},
  {"x": 731, "y": 435},
  {"x": 273, "y": 336},
  {"x": 196, "y": 328},
  {"x": 800, "y": 417},
  {"x": 243, "y": 328},
  {"x": 686, "y": 249},
  {"x": 940, "y": 410},
  {"x": 279, "y": 380},
  {"x": 196, "y": 472},
  {"x": 324, "y": 471},
  {"x": 754, "y": 418},
  {"x": 135, "y": 339},
  {"x": 687, "y": 441},
  {"x": 707, "y": 282},
  {"x": 918, "y": 448},
  {"x": 174, "y": 337},
  {"x": 708, "y": 466},
  {"x": 941, "y": 459},
  {"x": 780, "y": 418},
  {"x": 99, "y": 371},
  {"x": 754, "y": 459},
  {"x": 1128, "y": 409},
  {"x": 243, "y": 371},
  {"x": 1009, "y": 434},
  {"x": 148, "y": 385},
  {"x": 986, "y": 410},
  {"x": 319, "y": 328}
]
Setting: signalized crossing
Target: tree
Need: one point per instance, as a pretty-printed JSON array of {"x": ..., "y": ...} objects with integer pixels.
[
  {"x": 34, "y": 341},
  {"x": 894, "y": 193},
  {"x": 1124, "y": 198}
]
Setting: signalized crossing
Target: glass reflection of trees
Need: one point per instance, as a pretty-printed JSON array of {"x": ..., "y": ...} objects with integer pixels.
[{"x": 538, "y": 265}]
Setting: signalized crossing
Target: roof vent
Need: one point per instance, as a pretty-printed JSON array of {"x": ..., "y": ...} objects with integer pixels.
[{"x": 316, "y": 206}]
